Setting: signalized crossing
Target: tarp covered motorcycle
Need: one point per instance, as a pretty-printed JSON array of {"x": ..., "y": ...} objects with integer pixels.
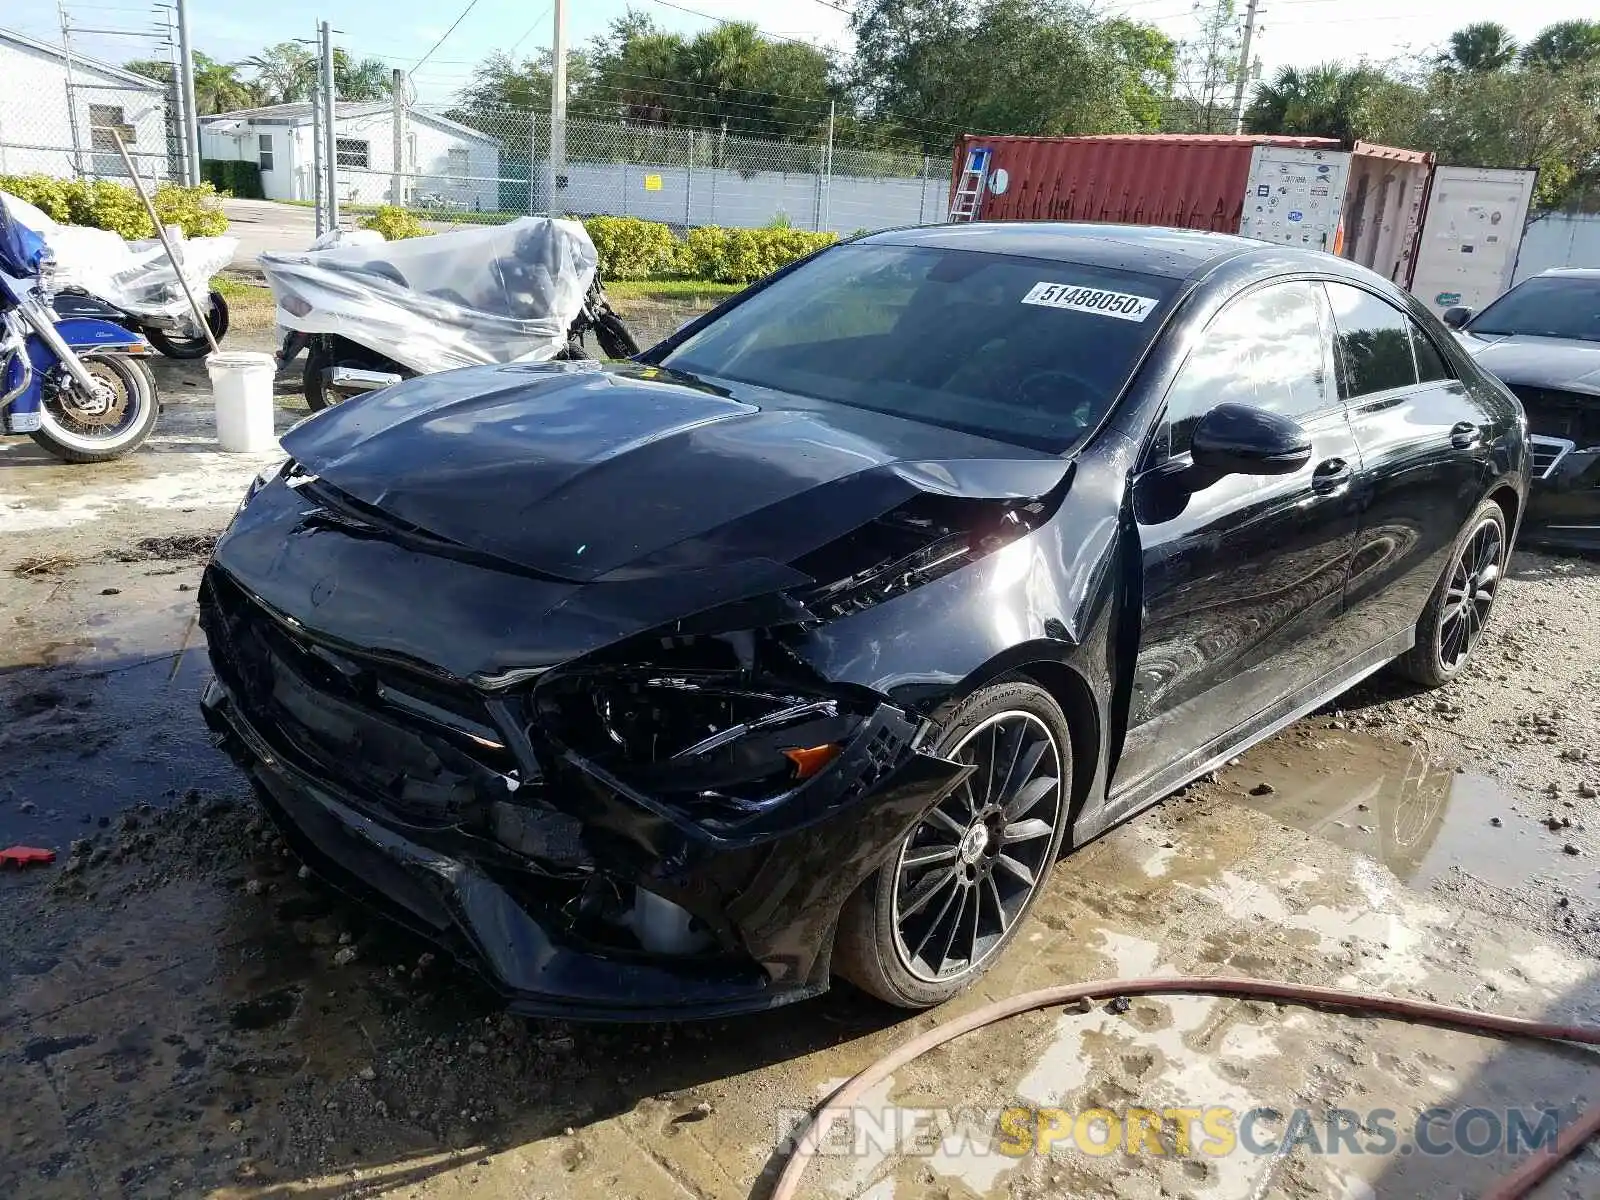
[{"x": 369, "y": 315}]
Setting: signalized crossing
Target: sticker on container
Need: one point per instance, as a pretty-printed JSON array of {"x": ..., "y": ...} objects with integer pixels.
[
  {"x": 1264, "y": 189},
  {"x": 1091, "y": 300},
  {"x": 999, "y": 181},
  {"x": 1297, "y": 216}
]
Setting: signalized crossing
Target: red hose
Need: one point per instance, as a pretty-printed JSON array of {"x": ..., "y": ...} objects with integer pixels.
[{"x": 1529, "y": 1175}]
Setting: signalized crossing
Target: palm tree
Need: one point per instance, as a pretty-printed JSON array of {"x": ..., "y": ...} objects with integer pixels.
[
  {"x": 218, "y": 88},
  {"x": 1564, "y": 44},
  {"x": 283, "y": 72},
  {"x": 1321, "y": 101},
  {"x": 368, "y": 79},
  {"x": 1482, "y": 46}
]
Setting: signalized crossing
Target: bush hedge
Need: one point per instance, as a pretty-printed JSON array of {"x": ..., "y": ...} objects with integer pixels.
[
  {"x": 234, "y": 177},
  {"x": 103, "y": 204},
  {"x": 394, "y": 222},
  {"x": 631, "y": 248},
  {"x": 740, "y": 255}
]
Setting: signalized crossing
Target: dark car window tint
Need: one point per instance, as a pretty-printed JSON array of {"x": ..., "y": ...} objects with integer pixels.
[
  {"x": 1545, "y": 306},
  {"x": 1024, "y": 350},
  {"x": 1267, "y": 349},
  {"x": 1375, "y": 340},
  {"x": 1430, "y": 363}
]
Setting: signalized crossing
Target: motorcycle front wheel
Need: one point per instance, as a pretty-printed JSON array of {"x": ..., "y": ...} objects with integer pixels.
[
  {"x": 193, "y": 347},
  {"x": 89, "y": 429}
]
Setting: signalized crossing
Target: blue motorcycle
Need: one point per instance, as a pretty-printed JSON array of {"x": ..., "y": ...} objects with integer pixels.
[{"x": 67, "y": 382}]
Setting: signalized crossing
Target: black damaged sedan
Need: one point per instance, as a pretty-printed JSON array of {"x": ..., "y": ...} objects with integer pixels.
[{"x": 804, "y": 645}]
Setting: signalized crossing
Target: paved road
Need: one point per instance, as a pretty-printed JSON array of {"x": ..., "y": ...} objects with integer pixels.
[{"x": 266, "y": 225}]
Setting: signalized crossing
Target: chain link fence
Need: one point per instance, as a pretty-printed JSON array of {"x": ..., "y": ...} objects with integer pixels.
[
  {"x": 489, "y": 164},
  {"x": 63, "y": 126}
]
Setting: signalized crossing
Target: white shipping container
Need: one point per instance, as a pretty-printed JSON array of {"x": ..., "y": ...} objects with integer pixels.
[{"x": 1470, "y": 235}]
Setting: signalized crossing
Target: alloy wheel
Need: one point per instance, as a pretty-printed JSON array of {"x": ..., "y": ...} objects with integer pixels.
[
  {"x": 1474, "y": 582},
  {"x": 967, "y": 871}
]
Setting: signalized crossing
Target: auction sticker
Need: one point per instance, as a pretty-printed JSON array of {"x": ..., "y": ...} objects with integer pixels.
[{"x": 1091, "y": 300}]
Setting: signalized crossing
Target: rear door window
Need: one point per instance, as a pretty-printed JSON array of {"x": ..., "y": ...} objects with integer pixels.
[
  {"x": 1374, "y": 342},
  {"x": 1430, "y": 363}
]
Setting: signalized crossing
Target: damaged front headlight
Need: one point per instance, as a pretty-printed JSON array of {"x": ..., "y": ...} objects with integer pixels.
[{"x": 734, "y": 738}]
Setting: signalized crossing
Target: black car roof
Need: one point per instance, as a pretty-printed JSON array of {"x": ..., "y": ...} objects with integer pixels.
[{"x": 1177, "y": 253}]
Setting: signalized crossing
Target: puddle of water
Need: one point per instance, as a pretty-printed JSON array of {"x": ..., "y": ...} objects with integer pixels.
[{"x": 1408, "y": 808}]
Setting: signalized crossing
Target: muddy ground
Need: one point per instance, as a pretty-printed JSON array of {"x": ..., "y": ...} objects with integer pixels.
[{"x": 185, "y": 1011}]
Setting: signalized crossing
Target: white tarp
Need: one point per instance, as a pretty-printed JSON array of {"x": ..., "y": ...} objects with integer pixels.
[
  {"x": 135, "y": 276},
  {"x": 469, "y": 297}
]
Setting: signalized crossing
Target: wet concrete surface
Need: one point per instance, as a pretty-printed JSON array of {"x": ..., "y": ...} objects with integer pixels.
[{"x": 185, "y": 1011}]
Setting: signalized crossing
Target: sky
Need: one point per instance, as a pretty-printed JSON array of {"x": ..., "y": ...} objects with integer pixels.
[{"x": 403, "y": 32}]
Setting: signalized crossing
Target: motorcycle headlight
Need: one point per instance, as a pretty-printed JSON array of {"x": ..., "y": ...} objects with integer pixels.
[{"x": 46, "y": 286}]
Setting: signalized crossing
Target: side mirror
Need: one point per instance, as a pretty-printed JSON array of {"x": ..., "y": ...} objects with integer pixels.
[
  {"x": 1456, "y": 317},
  {"x": 1237, "y": 439}
]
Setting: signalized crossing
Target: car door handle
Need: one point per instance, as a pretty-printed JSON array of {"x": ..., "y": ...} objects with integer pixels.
[
  {"x": 1331, "y": 475},
  {"x": 1464, "y": 435}
]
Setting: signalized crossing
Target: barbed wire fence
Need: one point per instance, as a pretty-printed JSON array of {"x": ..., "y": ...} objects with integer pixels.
[{"x": 491, "y": 163}]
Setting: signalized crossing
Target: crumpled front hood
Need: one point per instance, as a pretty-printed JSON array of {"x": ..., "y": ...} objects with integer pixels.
[
  {"x": 630, "y": 472},
  {"x": 1558, "y": 363}
]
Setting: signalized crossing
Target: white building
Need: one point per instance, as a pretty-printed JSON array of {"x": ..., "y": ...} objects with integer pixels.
[
  {"x": 444, "y": 162},
  {"x": 58, "y": 120}
]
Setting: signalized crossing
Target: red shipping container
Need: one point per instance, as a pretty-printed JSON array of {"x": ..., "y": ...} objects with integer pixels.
[{"x": 1186, "y": 181}]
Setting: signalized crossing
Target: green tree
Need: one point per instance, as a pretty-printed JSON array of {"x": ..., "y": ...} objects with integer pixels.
[
  {"x": 1321, "y": 101},
  {"x": 217, "y": 86},
  {"x": 1564, "y": 44},
  {"x": 1481, "y": 46},
  {"x": 1530, "y": 118},
  {"x": 150, "y": 68},
  {"x": 284, "y": 72},
  {"x": 369, "y": 79},
  {"x": 1207, "y": 66},
  {"x": 729, "y": 77},
  {"x": 940, "y": 67}
]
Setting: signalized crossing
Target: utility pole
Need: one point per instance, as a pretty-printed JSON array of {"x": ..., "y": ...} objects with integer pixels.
[
  {"x": 191, "y": 115},
  {"x": 397, "y": 187},
  {"x": 558, "y": 104},
  {"x": 330, "y": 144},
  {"x": 1244, "y": 65},
  {"x": 318, "y": 175},
  {"x": 827, "y": 179}
]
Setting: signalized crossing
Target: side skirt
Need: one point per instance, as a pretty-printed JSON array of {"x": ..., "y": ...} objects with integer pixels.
[{"x": 1142, "y": 793}]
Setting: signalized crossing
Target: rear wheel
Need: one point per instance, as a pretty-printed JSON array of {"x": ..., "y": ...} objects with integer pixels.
[
  {"x": 325, "y": 353},
  {"x": 1457, "y": 612},
  {"x": 113, "y": 421},
  {"x": 194, "y": 347},
  {"x": 937, "y": 914}
]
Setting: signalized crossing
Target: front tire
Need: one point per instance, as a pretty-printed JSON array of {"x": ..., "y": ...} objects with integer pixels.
[
  {"x": 1453, "y": 622},
  {"x": 939, "y": 911},
  {"x": 75, "y": 435}
]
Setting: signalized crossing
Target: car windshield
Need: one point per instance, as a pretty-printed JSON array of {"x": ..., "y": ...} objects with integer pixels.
[
  {"x": 1546, "y": 306},
  {"x": 1024, "y": 350}
]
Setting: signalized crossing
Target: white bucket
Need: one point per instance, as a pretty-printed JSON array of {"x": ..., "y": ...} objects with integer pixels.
[{"x": 241, "y": 385}]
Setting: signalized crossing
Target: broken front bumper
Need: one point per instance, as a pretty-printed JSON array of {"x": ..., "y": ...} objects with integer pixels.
[
  {"x": 768, "y": 897},
  {"x": 1564, "y": 496}
]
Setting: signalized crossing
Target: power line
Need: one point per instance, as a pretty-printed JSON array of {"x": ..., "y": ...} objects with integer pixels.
[
  {"x": 471, "y": 4},
  {"x": 543, "y": 13},
  {"x": 694, "y": 12}
]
